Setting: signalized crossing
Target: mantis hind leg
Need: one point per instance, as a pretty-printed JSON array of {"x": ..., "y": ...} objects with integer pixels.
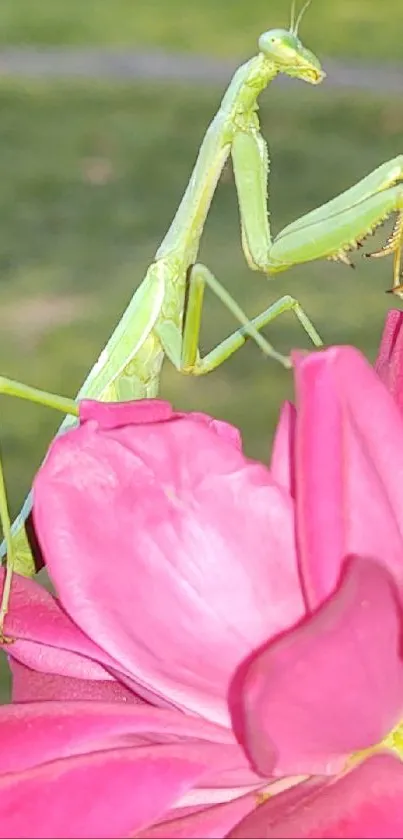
[
  {"x": 183, "y": 349},
  {"x": 60, "y": 403}
]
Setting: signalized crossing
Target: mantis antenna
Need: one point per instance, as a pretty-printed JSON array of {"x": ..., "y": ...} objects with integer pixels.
[
  {"x": 292, "y": 21},
  {"x": 294, "y": 24}
]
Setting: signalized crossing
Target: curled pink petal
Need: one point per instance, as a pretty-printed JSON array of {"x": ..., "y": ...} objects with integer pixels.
[
  {"x": 109, "y": 415},
  {"x": 332, "y": 686},
  {"x": 366, "y": 803},
  {"x": 389, "y": 363},
  {"x": 349, "y": 462},
  {"x": 282, "y": 458}
]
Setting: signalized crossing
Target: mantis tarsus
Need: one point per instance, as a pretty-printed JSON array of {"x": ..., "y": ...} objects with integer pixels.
[{"x": 164, "y": 315}]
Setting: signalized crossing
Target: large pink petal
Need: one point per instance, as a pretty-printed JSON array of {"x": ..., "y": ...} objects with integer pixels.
[
  {"x": 332, "y": 686},
  {"x": 169, "y": 549},
  {"x": 364, "y": 804},
  {"x": 349, "y": 468},
  {"x": 33, "y": 733},
  {"x": 105, "y": 794}
]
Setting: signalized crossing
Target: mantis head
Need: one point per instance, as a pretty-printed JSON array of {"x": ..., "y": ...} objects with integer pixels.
[{"x": 283, "y": 48}]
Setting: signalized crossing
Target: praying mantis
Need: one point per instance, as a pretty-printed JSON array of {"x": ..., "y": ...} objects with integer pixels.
[{"x": 163, "y": 318}]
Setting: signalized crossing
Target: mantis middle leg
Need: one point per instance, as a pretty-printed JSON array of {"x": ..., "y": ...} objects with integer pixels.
[
  {"x": 182, "y": 348},
  {"x": 183, "y": 351},
  {"x": 329, "y": 231}
]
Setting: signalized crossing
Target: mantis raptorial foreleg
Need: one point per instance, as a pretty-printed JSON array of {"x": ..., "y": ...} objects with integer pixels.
[
  {"x": 50, "y": 400},
  {"x": 329, "y": 231},
  {"x": 182, "y": 348}
]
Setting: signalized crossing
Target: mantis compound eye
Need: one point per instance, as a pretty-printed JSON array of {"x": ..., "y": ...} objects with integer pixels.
[{"x": 277, "y": 43}]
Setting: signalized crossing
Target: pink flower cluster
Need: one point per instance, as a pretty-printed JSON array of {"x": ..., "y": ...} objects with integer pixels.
[{"x": 224, "y": 654}]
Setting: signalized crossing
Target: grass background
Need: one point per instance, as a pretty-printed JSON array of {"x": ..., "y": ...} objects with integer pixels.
[
  {"x": 357, "y": 28},
  {"x": 91, "y": 175}
]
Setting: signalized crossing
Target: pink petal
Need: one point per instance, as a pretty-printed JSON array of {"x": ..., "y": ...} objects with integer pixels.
[
  {"x": 166, "y": 546},
  {"x": 39, "y": 732},
  {"x": 223, "y": 429},
  {"x": 45, "y": 638},
  {"x": 33, "y": 686},
  {"x": 332, "y": 686},
  {"x": 270, "y": 814},
  {"x": 282, "y": 465},
  {"x": 35, "y": 734},
  {"x": 364, "y": 804},
  {"x": 207, "y": 823},
  {"x": 389, "y": 364},
  {"x": 349, "y": 468},
  {"x": 106, "y": 794},
  {"x": 110, "y": 415}
]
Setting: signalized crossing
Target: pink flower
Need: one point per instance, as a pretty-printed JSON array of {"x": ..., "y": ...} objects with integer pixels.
[
  {"x": 54, "y": 658},
  {"x": 251, "y": 612}
]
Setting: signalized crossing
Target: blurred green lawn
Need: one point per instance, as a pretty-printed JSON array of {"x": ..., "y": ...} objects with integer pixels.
[
  {"x": 90, "y": 179},
  {"x": 356, "y": 28}
]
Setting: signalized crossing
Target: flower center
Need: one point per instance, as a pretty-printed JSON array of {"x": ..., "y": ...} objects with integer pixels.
[{"x": 393, "y": 741}]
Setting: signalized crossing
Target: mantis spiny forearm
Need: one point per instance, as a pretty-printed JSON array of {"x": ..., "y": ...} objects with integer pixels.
[{"x": 157, "y": 322}]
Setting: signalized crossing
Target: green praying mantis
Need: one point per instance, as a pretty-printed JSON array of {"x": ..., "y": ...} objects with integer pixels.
[{"x": 163, "y": 317}]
